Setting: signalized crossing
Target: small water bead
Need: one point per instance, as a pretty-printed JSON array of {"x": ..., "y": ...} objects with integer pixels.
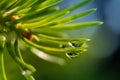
[
  {"x": 73, "y": 54},
  {"x": 74, "y": 48},
  {"x": 2, "y": 38},
  {"x": 78, "y": 43},
  {"x": 26, "y": 72},
  {"x": 74, "y": 44}
]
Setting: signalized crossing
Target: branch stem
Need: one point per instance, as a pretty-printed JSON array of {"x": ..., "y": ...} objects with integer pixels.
[{"x": 2, "y": 68}]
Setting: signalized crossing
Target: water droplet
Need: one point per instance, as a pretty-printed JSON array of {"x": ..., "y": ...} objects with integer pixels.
[
  {"x": 73, "y": 44},
  {"x": 26, "y": 72},
  {"x": 73, "y": 54},
  {"x": 2, "y": 38}
]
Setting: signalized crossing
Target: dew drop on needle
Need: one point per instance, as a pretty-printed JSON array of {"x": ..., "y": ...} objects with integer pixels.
[{"x": 26, "y": 72}]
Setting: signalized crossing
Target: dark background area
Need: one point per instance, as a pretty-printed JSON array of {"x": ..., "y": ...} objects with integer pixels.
[{"x": 105, "y": 44}]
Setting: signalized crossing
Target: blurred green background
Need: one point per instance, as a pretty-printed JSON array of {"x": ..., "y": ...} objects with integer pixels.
[{"x": 101, "y": 62}]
